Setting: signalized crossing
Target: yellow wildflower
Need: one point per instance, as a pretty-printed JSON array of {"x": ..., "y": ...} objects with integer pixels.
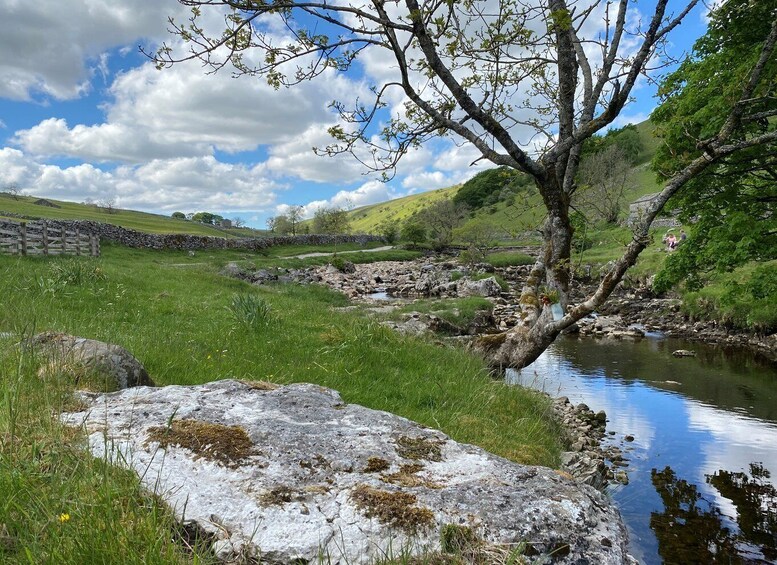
[{"x": 64, "y": 517}]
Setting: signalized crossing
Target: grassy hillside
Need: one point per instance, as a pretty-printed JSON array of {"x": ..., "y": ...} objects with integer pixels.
[
  {"x": 141, "y": 221},
  {"x": 524, "y": 214},
  {"x": 367, "y": 218}
]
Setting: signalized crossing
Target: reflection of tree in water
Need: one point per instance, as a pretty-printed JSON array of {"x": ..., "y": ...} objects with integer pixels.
[
  {"x": 691, "y": 530},
  {"x": 756, "y": 503}
]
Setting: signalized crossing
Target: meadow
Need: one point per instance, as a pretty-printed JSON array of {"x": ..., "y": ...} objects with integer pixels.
[{"x": 188, "y": 324}]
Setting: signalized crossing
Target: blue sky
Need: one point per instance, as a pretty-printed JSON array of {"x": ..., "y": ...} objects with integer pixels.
[{"x": 85, "y": 117}]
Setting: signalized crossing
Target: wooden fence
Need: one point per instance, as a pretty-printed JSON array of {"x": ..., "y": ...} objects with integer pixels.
[{"x": 38, "y": 238}]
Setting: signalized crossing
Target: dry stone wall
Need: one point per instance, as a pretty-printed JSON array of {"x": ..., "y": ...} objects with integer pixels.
[{"x": 187, "y": 242}]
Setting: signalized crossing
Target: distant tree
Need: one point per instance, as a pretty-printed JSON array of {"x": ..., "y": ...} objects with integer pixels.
[
  {"x": 294, "y": 215},
  {"x": 331, "y": 219},
  {"x": 207, "y": 218},
  {"x": 238, "y": 222},
  {"x": 389, "y": 230},
  {"x": 603, "y": 180},
  {"x": 108, "y": 205},
  {"x": 178, "y": 215},
  {"x": 414, "y": 232},
  {"x": 12, "y": 190},
  {"x": 281, "y": 225},
  {"x": 441, "y": 218},
  {"x": 479, "y": 237}
]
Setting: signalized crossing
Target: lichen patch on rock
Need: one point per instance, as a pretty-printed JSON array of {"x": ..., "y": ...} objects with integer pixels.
[
  {"x": 419, "y": 448},
  {"x": 393, "y": 508},
  {"x": 228, "y": 445}
]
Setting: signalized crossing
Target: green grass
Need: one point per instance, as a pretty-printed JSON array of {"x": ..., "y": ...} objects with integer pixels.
[
  {"x": 141, "y": 221},
  {"x": 367, "y": 218},
  {"x": 728, "y": 298},
  {"x": 457, "y": 311},
  {"x": 172, "y": 312},
  {"x": 508, "y": 259}
]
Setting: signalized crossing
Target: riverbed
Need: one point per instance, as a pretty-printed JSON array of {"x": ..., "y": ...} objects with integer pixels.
[{"x": 700, "y": 436}]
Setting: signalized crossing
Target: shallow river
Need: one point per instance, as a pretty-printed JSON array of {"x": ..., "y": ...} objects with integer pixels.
[{"x": 705, "y": 442}]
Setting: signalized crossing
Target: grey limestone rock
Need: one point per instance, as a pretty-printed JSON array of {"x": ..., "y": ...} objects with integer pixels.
[
  {"x": 77, "y": 355},
  {"x": 288, "y": 474},
  {"x": 484, "y": 287}
]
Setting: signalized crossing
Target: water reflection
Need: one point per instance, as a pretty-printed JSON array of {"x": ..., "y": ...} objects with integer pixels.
[
  {"x": 690, "y": 529},
  {"x": 699, "y": 418}
]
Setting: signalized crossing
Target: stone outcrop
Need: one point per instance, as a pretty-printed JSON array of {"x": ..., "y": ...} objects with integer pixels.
[
  {"x": 289, "y": 474},
  {"x": 89, "y": 360}
]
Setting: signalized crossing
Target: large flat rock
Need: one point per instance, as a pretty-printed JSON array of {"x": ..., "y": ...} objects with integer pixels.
[{"x": 293, "y": 473}]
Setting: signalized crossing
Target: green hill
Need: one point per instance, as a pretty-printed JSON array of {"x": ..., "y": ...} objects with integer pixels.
[
  {"x": 512, "y": 217},
  {"x": 26, "y": 206}
]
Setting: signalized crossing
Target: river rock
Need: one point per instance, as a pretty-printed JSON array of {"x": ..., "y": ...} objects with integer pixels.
[
  {"x": 79, "y": 357},
  {"x": 483, "y": 287},
  {"x": 683, "y": 353},
  {"x": 288, "y": 474}
]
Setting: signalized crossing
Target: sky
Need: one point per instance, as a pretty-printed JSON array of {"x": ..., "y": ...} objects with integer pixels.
[{"x": 86, "y": 117}]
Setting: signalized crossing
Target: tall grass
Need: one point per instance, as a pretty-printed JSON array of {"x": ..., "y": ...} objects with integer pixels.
[
  {"x": 172, "y": 312},
  {"x": 58, "y": 505}
]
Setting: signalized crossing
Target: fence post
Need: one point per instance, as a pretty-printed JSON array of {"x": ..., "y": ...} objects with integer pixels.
[
  {"x": 94, "y": 244},
  {"x": 23, "y": 235},
  {"x": 63, "y": 238},
  {"x": 78, "y": 242},
  {"x": 45, "y": 238}
]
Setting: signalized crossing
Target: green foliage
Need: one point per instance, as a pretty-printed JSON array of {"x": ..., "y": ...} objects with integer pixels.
[
  {"x": 250, "y": 311},
  {"x": 331, "y": 220},
  {"x": 441, "y": 219},
  {"x": 581, "y": 235},
  {"x": 178, "y": 215},
  {"x": 76, "y": 272},
  {"x": 491, "y": 186},
  {"x": 389, "y": 229},
  {"x": 745, "y": 299},
  {"x": 509, "y": 259},
  {"x": 414, "y": 232},
  {"x": 733, "y": 200},
  {"x": 207, "y": 218}
]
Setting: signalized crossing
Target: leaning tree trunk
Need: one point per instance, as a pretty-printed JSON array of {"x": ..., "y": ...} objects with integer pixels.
[{"x": 547, "y": 284}]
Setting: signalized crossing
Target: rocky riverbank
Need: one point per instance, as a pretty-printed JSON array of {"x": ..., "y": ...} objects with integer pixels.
[{"x": 629, "y": 315}]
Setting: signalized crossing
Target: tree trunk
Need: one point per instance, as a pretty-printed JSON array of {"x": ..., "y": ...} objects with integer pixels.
[{"x": 547, "y": 283}]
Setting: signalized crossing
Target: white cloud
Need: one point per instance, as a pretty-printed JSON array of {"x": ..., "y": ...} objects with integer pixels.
[
  {"x": 182, "y": 112},
  {"x": 370, "y": 192},
  {"x": 195, "y": 183},
  {"x": 49, "y": 44}
]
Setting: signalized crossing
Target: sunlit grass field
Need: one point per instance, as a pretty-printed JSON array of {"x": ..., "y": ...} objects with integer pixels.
[{"x": 176, "y": 314}]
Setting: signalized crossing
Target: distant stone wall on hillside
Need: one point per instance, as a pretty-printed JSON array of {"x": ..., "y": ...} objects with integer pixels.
[{"x": 186, "y": 242}]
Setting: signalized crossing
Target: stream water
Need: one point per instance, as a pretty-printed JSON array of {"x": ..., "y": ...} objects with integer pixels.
[{"x": 705, "y": 442}]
